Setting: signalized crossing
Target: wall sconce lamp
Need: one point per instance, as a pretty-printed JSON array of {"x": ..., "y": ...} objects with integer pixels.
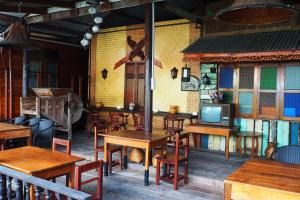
[
  {"x": 186, "y": 74},
  {"x": 104, "y": 73},
  {"x": 174, "y": 72}
]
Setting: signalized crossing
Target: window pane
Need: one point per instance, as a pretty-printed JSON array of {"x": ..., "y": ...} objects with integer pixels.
[
  {"x": 245, "y": 102},
  {"x": 246, "y": 77},
  {"x": 267, "y": 103},
  {"x": 226, "y": 77},
  {"x": 292, "y": 78},
  {"x": 291, "y": 105},
  {"x": 268, "y": 78},
  {"x": 227, "y": 97}
]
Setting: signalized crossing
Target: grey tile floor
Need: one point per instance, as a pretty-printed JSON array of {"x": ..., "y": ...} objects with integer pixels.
[{"x": 207, "y": 171}]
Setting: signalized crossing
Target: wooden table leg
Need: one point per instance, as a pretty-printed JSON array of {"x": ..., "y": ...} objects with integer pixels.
[
  {"x": 105, "y": 159},
  {"x": 252, "y": 147},
  {"x": 71, "y": 176},
  {"x": 29, "y": 139},
  {"x": 125, "y": 158},
  {"x": 227, "y": 147},
  {"x": 227, "y": 191},
  {"x": 146, "y": 176}
]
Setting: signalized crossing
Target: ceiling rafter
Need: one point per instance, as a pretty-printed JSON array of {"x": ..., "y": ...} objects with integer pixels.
[
  {"x": 10, "y": 8},
  {"x": 45, "y": 3},
  {"x": 104, "y": 7}
]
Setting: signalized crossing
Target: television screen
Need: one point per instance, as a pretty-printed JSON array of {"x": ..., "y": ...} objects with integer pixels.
[{"x": 211, "y": 114}]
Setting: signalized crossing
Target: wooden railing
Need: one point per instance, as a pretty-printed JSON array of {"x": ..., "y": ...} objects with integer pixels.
[{"x": 30, "y": 187}]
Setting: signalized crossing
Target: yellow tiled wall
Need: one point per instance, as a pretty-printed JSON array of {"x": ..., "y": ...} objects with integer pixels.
[{"x": 170, "y": 39}]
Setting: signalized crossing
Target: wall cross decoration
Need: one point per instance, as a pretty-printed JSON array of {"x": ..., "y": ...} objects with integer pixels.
[{"x": 137, "y": 50}]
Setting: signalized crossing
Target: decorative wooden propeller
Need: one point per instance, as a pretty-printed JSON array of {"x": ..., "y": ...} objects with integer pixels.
[{"x": 136, "y": 51}]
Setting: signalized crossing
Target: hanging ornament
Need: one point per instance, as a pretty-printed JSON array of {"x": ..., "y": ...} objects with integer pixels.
[
  {"x": 98, "y": 20},
  {"x": 84, "y": 42},
  {"x": 96, "y": 29},
  {"x": 92, "y": 10},
  {"x": 88, "y": 35}
]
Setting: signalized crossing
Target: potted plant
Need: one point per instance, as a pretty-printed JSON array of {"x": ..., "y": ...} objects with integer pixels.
[{"x": 216, "y": 97}]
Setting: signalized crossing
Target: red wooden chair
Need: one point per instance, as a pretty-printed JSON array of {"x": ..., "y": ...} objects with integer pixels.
[
  {"x": 98, "y": 166},
  {"x": 111, "y": 149},
  {"x": 174, "y": 160},
  {"x": 118, "y": 120},
  {"x": 60, "y": 142},
  {"x": 67, "y": 144},
  {"x": 173, "y": 125},
  {"x": 138, "y": 121}
]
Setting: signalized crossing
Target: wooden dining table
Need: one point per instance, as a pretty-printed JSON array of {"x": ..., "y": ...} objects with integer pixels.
[
  {"x": 135, "y": 139},
  {"x": 263, "y": 179},
  {"x": 40, "y": 162},
  {"x": 13, "y": 131}
]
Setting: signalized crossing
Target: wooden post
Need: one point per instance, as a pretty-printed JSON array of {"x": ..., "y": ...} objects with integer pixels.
[
  {"x": 149, "y": 40},
  {"x": 25, "y": 73},
  {"x": 6, "y": 94},
  {"x": 10, "y": 86},
  {"x": 69, "y": 117}
]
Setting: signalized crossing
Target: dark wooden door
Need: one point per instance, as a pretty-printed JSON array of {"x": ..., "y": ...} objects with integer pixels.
[{"x": 135, "y": 84}]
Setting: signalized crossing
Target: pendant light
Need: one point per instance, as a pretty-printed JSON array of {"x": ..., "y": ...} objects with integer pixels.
[{"x": 256, "y": 12}]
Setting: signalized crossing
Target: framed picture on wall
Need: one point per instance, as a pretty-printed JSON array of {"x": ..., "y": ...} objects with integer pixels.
[{"x": 192, "y": 85}]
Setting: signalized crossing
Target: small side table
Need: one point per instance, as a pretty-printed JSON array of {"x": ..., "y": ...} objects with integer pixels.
[{"x": 240, "y": 135}]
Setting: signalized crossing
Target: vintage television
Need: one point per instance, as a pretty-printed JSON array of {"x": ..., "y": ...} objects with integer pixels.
[{"x": 216, "y": 114}]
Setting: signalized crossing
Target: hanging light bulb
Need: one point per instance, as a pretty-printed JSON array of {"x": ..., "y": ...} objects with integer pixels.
[
  {"x": 98, "y": 20},
  {"x": 88, "y": 35},
  {"x": 92, "y": 10},
  {"x": 84, "y": 42},
  {"x": 96, "y": 29}
]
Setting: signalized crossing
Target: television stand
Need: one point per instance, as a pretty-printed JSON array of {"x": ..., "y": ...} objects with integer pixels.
[{"x": 212, "y": 130}]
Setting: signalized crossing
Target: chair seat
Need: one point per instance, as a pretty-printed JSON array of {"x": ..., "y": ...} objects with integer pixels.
[
  {"x": 111, "y": 148},
  {"x": 170, "y": 158}
]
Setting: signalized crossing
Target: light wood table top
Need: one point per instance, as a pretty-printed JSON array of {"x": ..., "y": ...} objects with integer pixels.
[
  {"x": 258, "y": 179},
  {"x": 134, "y": 135},
  {"x": 32, "y": 160},
  {"x": 11, "y": 127}
]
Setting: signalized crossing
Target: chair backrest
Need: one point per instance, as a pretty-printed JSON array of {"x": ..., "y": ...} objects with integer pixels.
[
  {"x": 60, "y": 142},
  {"x": 98, "y": 165},
  {"x": 171, "y": 121},
  {"x": 288, "y": 154},
  {"x": 96, "y": 136},
  {"x": 180, "y": 145},
  {"x": 138, "y": 121}
]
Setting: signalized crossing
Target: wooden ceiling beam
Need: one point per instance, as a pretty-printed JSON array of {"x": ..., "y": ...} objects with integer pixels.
[
  {"x": 46, "y": 3},
  {"x": 84, "y": 11},
  {"x": 9, "y": 8}
]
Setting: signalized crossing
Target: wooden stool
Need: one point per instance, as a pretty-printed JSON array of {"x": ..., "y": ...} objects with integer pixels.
[{"x": 255, "y": 144}]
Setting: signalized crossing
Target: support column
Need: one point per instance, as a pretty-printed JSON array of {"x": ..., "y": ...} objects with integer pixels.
[
  {"x": 149, "y": 48},
  {"x": 10, "y": 85},
  {"x": 25, "y": 73}
]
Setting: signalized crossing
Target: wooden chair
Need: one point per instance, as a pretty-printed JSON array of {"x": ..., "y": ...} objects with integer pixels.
[
  {"x": 173, "y": 125},
  {"x": 138, "y": 121},
  {"x": 111, "y": 149},
  {"x": 60, "y": 142},
  {"x": 98, "y": 166},
  {"x": 94, "y": 119},
  {"x": 67, "y": 144},
  {"x": 288, "y": 154},
  {"x": 118, "y": 120},
  {"x": 174, "y": 159}
]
